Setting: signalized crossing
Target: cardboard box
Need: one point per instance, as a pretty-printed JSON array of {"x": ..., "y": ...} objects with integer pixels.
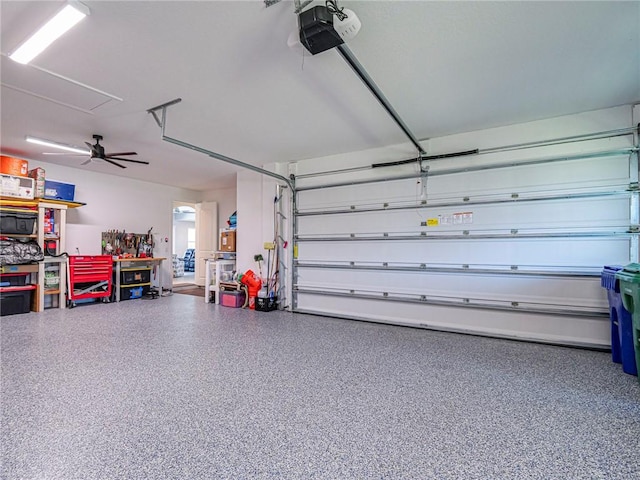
[
  {"x": 14, "y": 166},
  {"x": 18, "y": 187},
  {"x": 228, "y": 241},
  {"x": 36, "y": 173},
  {"x": 38, "y": 177},
  {"x": 59, "y": 190},
  {"x": 38, "y": 188}
]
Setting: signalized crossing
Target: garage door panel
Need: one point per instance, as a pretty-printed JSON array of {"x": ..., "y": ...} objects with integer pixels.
[
  {"x": 590, "y": 214},
  {"x": 587, "y": 252},
  {"x": 577, "y": 176},
  {"x": 567, "y": 330},
  {"x": 584, "y": 291}
]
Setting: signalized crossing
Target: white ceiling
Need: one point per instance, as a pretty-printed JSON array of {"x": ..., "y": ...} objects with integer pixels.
[{"x": 446, "y": 67}]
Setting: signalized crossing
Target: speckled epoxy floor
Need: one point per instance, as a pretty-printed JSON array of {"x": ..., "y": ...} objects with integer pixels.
[{"x": 175, "y": 388}]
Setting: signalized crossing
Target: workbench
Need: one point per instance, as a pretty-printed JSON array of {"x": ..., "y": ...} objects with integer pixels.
[{"x": 135, "y": 264}]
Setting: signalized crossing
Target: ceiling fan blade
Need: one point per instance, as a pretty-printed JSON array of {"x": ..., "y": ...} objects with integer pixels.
[
  {"x": 119, "y": 153},
  {"x": 113, "y": 163},
  {"x": 128, "y": 160},
  {"x": 86, "y": 161},
  {"x": 93, "y": 151}
]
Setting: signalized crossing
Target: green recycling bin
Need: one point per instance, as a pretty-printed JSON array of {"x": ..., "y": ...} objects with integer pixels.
[{"x": 629, "y": 278}]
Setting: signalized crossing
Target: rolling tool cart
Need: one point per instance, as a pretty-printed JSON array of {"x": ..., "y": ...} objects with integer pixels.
[{"x": 90, "y": 277}]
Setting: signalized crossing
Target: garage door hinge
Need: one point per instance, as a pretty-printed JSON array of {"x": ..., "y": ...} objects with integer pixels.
[
  {"x": 634, "y": 229},
  {"x": 634, "y": 186}
]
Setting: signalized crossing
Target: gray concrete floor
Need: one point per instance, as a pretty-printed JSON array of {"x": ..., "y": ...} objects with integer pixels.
[{"x": 174, "y": 388}]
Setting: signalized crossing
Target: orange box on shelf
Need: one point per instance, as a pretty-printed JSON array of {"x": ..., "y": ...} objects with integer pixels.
[{"x": 14, "y": 166}]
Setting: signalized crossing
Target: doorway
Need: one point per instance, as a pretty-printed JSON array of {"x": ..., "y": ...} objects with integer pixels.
[{"x": 184, "y": 243}]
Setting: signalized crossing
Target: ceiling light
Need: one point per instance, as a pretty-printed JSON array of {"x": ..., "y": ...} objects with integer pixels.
[
  {"x": 61, "y": 146},
  {"x": 66, "y": 18}
]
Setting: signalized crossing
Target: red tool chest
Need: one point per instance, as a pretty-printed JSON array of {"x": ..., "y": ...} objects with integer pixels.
[{"x": 90, "y": 276}]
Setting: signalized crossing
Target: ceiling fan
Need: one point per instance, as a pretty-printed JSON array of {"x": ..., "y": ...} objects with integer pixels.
[{"x": 96, "y": 152}]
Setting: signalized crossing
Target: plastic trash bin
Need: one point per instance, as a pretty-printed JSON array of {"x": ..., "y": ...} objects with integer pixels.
[
  {"x": 629, "y": 278},
  {"x": 622, "y": 346}
]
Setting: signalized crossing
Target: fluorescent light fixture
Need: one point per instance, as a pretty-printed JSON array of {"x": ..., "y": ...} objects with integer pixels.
[
  {"x": 66, "y": 18},
  {"x": 61, "y": 146}
]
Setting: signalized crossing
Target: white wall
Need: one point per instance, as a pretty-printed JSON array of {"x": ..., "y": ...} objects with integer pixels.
[
  {"x": 226, "y": 199},
  {"x": 256, "y": 195},
  {"x": 250, "y": 202},
  {"x": 118, "y": 203},
  {"x": 180, "y": 241}
]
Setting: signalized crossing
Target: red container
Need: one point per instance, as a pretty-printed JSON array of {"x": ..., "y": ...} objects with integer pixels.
[{"x": 254, "y": 284}]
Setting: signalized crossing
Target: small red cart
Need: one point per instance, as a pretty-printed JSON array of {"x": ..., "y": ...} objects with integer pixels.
[{"x": 90, "y": 276}]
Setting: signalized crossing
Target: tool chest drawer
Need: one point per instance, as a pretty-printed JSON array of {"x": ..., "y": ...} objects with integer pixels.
[{"x": 93, "y": 267}]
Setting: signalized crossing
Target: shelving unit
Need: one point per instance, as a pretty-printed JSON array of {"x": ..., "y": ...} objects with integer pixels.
[
  {"x": 213, "y": 276},
  {"x": 48, "y": 293}
]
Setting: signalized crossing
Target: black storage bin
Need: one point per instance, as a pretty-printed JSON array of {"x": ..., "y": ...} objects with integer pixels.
[
  {"x": 13, "y": 279},
  {"x": 129, "y": 277},
  {"x": 266, "y": 304},
  {"x": 13, "y": 223},
  {"x": 127, "y": 293},
  {"x": 15, "y": 301}
]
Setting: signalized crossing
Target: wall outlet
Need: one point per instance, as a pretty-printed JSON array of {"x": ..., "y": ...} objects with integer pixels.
[{"x": 269, "y": 246}]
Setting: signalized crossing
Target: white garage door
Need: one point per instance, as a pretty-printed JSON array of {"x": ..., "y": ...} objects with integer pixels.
[{"x": 506, "y": 242}]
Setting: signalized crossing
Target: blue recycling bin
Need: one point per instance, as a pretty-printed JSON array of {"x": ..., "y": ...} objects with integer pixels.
[{"x": 622, "y": 346}]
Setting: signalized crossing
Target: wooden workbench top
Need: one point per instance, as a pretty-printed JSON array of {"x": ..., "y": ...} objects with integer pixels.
[{"x": 145, "y": 259}]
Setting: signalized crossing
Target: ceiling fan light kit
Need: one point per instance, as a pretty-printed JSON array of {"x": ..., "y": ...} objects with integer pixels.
[{"x": 64, "y": 20}]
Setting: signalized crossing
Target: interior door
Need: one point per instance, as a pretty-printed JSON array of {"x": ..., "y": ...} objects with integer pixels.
[{"x": 206, "y": 237}]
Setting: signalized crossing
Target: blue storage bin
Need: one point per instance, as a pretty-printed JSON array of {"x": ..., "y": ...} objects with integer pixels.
[
  {"x": 622, "y": 348},
  {"x": 129, "y": 293},
  {"x": 59, "y": 190}
]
